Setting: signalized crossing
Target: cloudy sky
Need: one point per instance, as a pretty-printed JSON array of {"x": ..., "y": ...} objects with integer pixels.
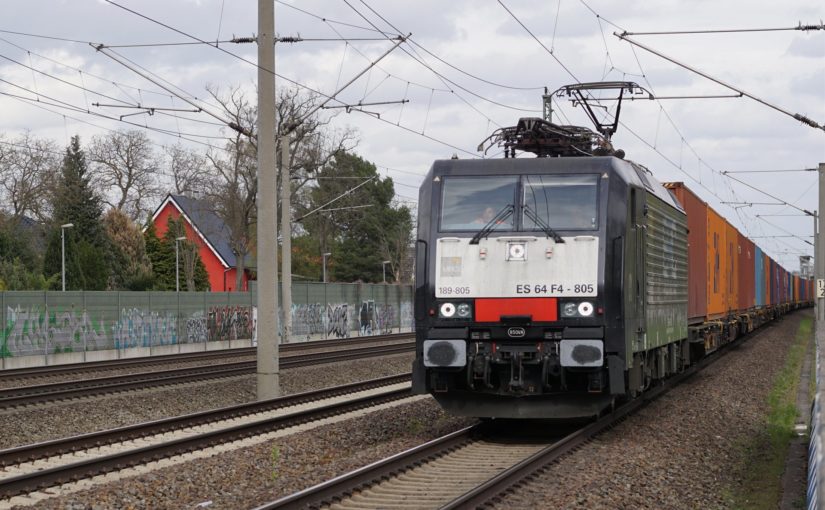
[{"x": 469, "y": 68}]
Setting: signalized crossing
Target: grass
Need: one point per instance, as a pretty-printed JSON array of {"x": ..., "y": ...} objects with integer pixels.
[{"x": 764, "y": 456}]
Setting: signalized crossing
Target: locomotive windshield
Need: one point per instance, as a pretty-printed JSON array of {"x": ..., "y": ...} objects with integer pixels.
[
  {"x": 564, "y": 202},
  {"x": 470, "y": 203}
]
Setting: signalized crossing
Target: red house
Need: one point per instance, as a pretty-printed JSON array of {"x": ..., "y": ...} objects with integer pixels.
[{"x": 209, "y": 232}]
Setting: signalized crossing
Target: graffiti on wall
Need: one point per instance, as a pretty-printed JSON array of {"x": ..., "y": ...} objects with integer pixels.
[
  {"x": 38, "y": 330},
  {"x": 338, "y": 320},
  {"x": 308, "y": 319},
  {"x": 196, "y": 328},
  {"x": 230, "y": 322},
  {"x": 376, "y": 318},
  {"x": 406, "y": 316},
  {"x": 33, "y": 328},
  {"x": 141, "y": 328}
]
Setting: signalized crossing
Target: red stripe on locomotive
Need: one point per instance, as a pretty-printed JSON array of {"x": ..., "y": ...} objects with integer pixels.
[{"x": 541, "y": 309}]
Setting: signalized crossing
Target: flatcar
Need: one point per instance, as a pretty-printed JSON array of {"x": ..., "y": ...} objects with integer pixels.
[{"x": 555, "y": 287}]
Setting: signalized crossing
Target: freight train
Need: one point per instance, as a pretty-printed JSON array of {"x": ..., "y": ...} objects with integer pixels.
[{"x": 561, "y": 285}]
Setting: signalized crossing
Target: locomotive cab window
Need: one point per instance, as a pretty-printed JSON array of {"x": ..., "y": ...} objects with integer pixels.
[
  {"x": 564, "y": 202},
  {"x": 471, "y": 203}
]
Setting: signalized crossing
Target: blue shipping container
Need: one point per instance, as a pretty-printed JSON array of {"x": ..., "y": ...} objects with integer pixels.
[{"x": 759, "y": 279}]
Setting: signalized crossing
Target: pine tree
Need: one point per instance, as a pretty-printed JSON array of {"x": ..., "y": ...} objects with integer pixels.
[
  {"x": 161, "y": 253},
  {"x": 88, "y": 257},
  {"x": 359, "y": 238},
  {"x": 131, "y": 269},
  {"x": 192, "y": 271},
  {"x": 162, "y": 257}
]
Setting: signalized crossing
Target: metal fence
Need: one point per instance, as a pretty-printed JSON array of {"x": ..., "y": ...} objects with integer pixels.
[
  {"x": 816, "y": 446},
  {"x": 46, "y": 323}
]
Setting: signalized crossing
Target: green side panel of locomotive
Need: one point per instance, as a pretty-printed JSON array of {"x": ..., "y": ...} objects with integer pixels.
[
  {"x": 655, "y": 274},
  {"x": 665, "y": 267}
]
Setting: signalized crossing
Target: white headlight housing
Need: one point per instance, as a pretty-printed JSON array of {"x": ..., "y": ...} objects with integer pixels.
[
  {"x": 516, "y": 251},
  {"x": 446, "y": 310},
  {"x": 577, "y": 309}
]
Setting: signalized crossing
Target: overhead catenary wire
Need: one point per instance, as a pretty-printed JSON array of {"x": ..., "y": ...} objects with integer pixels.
[
  {"x": 725, "y": 172},
  {"x": 736, "y": 210},
  {"x": 412, "y": 41},
  {"x": 440, "y": 76},
  {"x": 114, "y": 56},
  {"x": 551, "y": 53},
  {"x": 799, "y": 117},
  {"x": 799, "y": 27},
  {"x": 339, "y": 197},
  {"x": 301, "y": 85},
  {"x": 40, "y": 105},
  {"x": 678, "y": 166}
]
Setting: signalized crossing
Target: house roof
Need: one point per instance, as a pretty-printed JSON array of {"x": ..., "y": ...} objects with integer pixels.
[{"x": 208, "y": 225}]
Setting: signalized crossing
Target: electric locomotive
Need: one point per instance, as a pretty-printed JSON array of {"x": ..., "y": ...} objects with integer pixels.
[{"x": 547, "y": 287}]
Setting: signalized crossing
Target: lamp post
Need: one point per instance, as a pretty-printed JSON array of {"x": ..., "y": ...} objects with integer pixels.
[
  {"x": 177, "y": 264},
  {"x": 63, "y": 252},
  {"x": 325, "y": 265},
  {"x": 384, "y": 269}
]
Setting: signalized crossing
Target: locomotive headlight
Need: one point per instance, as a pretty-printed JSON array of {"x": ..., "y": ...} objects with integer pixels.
[
  {"x": 446, "y": 310},
  {"x": 516, "y": 251},
  {"x": 568, "y": 309},
  {"x": 464, "y": 310},
  {"x": 572, "y": 309}
]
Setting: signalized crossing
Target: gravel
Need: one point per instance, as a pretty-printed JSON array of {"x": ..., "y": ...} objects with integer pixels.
[
  {"x": 41, "y": 423},
  {"x": 254, "y": 475},
  {"x": 684, "y": 450},
  {"x": 87, "y": 373}
]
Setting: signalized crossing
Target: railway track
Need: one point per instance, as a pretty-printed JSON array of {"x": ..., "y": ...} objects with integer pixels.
[
  {"x": 33, "y": 467},
  {"x": 169, "y": 359},
  {"x": 42, "y": 393},
  {"x": 465, "y": 469}
]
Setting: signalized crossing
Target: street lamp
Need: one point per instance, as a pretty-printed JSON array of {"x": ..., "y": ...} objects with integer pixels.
[
  {"x": 63, "y": 252},
  {"x": 384, "y": 269},
  {"x": 177, "y": 264},
  {"x": 325, "y": 265}
]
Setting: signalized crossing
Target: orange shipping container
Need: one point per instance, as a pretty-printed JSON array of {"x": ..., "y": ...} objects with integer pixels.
[
  {"x": 747, "y": 273},
  {"x": 717, "y": 262},
  {"x": 697, "y": 223},
  {"x": 732, "y": 266},
  {"x": 796, "y": 289}
]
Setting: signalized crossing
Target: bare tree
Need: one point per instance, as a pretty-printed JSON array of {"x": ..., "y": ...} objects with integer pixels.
[
  {"x": 125, "y": 169},
  {"x": 189, "y": 170},
  {"x": 28, "y": 169},
  {"x": 234, "y": 193},
  {"x": 313, "y": 144}
]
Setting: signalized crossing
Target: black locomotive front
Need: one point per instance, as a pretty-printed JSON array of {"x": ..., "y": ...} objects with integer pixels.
[{"x": 514, "y": 317}]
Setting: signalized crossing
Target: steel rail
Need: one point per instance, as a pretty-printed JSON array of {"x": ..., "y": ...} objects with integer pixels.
[
  {"x": 70, "y": 368},
  {"x": 25, "y": 395},
  {"x": 88, "y": 468},
  {"x": 348, "y": 483},
  {"x": 55, "y": 447},
  {"x": 345, "y": 485},
  {"x": 498, "y": 485}
]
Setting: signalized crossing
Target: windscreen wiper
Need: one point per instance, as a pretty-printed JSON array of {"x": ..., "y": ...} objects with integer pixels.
[
  {"x": 544, "y": 226},
  {"x": 502, "y": 215}
]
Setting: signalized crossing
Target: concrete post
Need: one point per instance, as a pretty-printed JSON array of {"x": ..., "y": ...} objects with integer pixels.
[
  {"x": 268, "y": 383},
  {"x": 286, "y": 241},
  {"x": 819, "y": 264}
]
